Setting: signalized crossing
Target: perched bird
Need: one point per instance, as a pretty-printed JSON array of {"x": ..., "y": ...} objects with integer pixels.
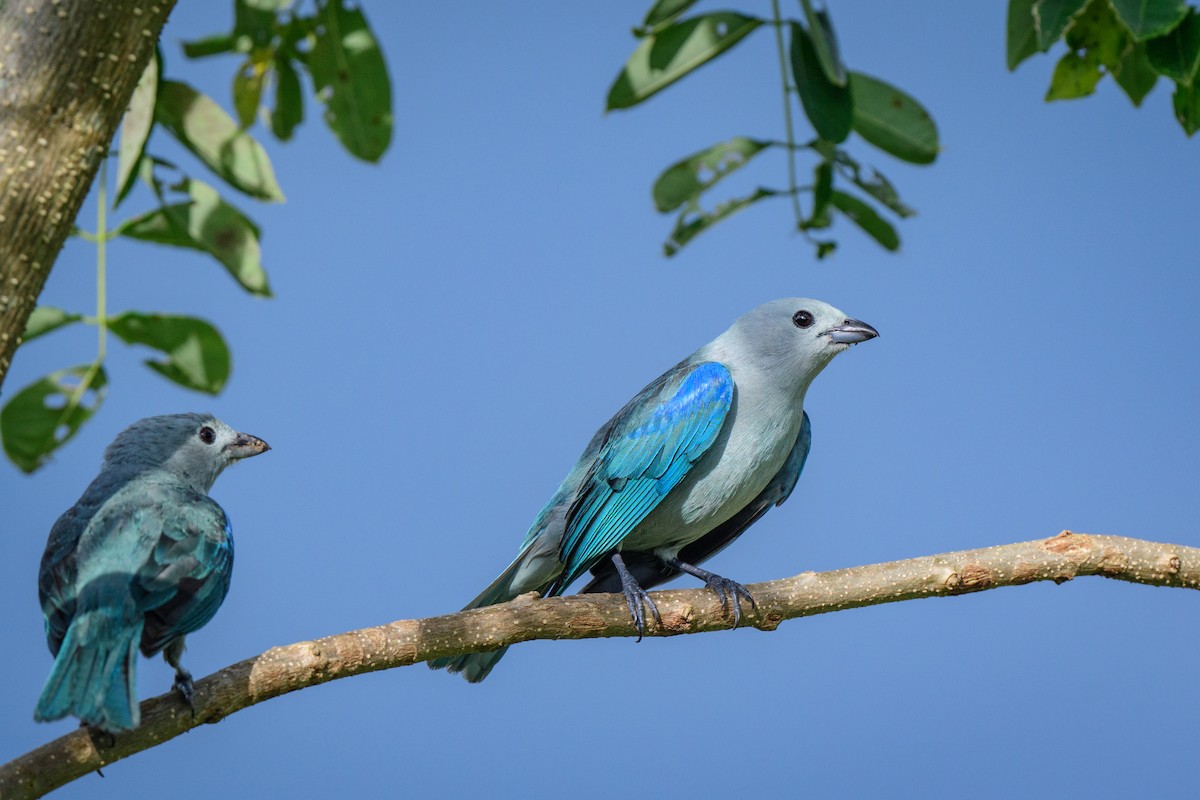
[
  {"x": 141, "y": 560},
  {"x": 682, "y": 470}
]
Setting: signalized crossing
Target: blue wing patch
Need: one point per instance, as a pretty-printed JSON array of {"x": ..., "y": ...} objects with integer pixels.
[{"x": 648, "y": 452}]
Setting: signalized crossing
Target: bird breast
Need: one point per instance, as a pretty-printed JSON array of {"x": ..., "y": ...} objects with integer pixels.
[{"x": 759, "y": 432}]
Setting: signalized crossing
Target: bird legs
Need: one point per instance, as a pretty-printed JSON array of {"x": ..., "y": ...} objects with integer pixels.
[
  {"x": 172, "y": 653},
  {"x": 729, "y": 591},
  {"x": 635, "y": 596}
]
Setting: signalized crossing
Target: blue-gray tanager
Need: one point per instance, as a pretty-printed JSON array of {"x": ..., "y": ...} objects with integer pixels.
[
  {"x": 683, "y": 469},
  {"x": 142, "y": 559}
]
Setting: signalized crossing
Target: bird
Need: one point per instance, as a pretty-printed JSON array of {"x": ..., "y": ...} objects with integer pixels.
[
  {"x": 142, "y": 559},
  {"x": 682, "y": 470}
]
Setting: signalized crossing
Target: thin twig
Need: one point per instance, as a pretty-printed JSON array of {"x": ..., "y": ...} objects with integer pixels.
[{"x": 285, "y": 669}]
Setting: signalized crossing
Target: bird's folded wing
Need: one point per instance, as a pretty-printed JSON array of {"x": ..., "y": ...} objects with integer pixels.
[
  {"x": 186, "y": 576},
  {"x": 650, "y": 449}
]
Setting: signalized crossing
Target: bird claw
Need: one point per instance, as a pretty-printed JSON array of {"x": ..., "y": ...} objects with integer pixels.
[
  {"x": 638, "y": 601},
  {"x": 186, "y": 689},
  {"x": 730, "y": 594}
]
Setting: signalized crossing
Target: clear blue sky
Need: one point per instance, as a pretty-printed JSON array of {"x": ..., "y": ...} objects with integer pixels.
[{"x": 450, "y": 328}]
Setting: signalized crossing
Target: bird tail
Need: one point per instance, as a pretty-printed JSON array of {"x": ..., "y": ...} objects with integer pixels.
[
  {"x": 94, "y": 675},
  {"x": 533, "y": 570}
]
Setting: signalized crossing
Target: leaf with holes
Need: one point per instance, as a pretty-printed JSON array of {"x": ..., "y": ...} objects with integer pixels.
[
  {"x": 135, "y": 127},
  {"x": 689, "y": 177},
  {"x": 892, "y": 120},
  {"x": 203, "y": 127},
  {"x": 352, "y": 81},
  {"x": 209, "y": 224},
  {"x": 44, "y": 415},
  {"x": 197, "y": 356},
  {"x": 676, "y": 51},
  {"x": 45, "y": 319},
  {"x": 865, "y": 217},
  {"x": 693, "y": 221},
  {"x": 875, "y": 184}
]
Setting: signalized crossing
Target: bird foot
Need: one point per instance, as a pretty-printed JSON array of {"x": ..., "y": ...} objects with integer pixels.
[
  {"x": 731, "y": 594},
  {"x": 186, "y": 688},
  {"x": 638, "y": 601}
]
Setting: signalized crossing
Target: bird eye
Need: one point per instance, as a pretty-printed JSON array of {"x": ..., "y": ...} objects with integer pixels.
[
  {"x": 207, "y": 435},
  {"x": 802, "y": 319}
]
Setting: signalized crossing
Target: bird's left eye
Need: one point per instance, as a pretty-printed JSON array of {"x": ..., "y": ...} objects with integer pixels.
[
  {"x": 802, "y": 319},
  {"x": 207, "y": 435}
]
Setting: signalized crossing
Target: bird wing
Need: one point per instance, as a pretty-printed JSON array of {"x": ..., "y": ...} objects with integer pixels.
[
  {"x": 649, "y": 570},
  {"x": 651, "y": 445},
  {"x": 186, "y": 575}
]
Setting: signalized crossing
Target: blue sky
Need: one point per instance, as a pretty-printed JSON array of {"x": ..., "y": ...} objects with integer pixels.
[{"x": 451, "y": 326}]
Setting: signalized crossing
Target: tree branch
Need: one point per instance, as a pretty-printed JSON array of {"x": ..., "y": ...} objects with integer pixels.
[
  {"x": 285, "y": 669},
  {"x": 67, "y": 71}
]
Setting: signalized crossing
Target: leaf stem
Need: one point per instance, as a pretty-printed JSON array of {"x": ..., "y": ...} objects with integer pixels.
[
  {"x": 101, "y": 264},
  {"x": 787, "y": 113}
]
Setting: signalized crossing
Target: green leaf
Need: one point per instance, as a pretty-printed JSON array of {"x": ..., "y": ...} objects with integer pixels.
[
  {"x": 892, "y": 120},
  {"x": 45, "y": 319},
  {"x": 689, "y": 177},
  {"x": 203, "y": 127},
  {"x": 693, "y": 221},
  {"x": 135, "y": 127},
  {"x": 209, "y": 224},
  {"x": 352, "y": 81},
  {"x": 1149, "y": 18},
  {"x": 1187, "y": 107},
  {"x": 44, "y": 415},
  {"x": 1134, "y": 74},
  {"x": 673, "y": 52},
  {"x": 661, "y": 14},
  {"x": 1097, "y": 33},
  {"x": 1177, "y": 55},
  {"x": 829, "y": 108},
  {"x": 876, "y": 185},
  {"x": 197, "y": 356},
  {"x": 288, "y": 112},
  {"x": 1051, "y": 17},
  {"x": 820, "y": 28},
  {"x": 1074, "y": 76},
  {"x": 210, "y": 46},
  {"x": 822, "y": 193},
  {"x": 865, "y": 217},
  {"x": 1021, "y": 41},
  {"x": 247, "y": 90},
  {"x": 254, "y": 23}
]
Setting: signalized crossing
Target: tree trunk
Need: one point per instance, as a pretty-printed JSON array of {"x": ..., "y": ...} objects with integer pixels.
[{"x": 67, "y": 71}]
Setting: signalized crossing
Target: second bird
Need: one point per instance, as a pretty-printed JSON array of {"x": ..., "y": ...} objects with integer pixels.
[{"x": 683, "y": 469}]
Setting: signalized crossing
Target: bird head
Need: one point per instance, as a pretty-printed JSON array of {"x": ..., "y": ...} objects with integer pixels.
[
  {"x": 794, "y": 338},
  {"x": 196, "y": 447}
]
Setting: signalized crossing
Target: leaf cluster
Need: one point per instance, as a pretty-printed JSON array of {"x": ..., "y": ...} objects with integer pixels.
[
  {"x": 836, "y": 101},
  {"x": 335, "y": 48}
]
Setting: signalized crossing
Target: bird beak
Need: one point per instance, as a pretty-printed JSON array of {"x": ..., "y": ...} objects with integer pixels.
[
  {"x": 852, "y": 332},
  {"x": 244, "y": 445}
]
